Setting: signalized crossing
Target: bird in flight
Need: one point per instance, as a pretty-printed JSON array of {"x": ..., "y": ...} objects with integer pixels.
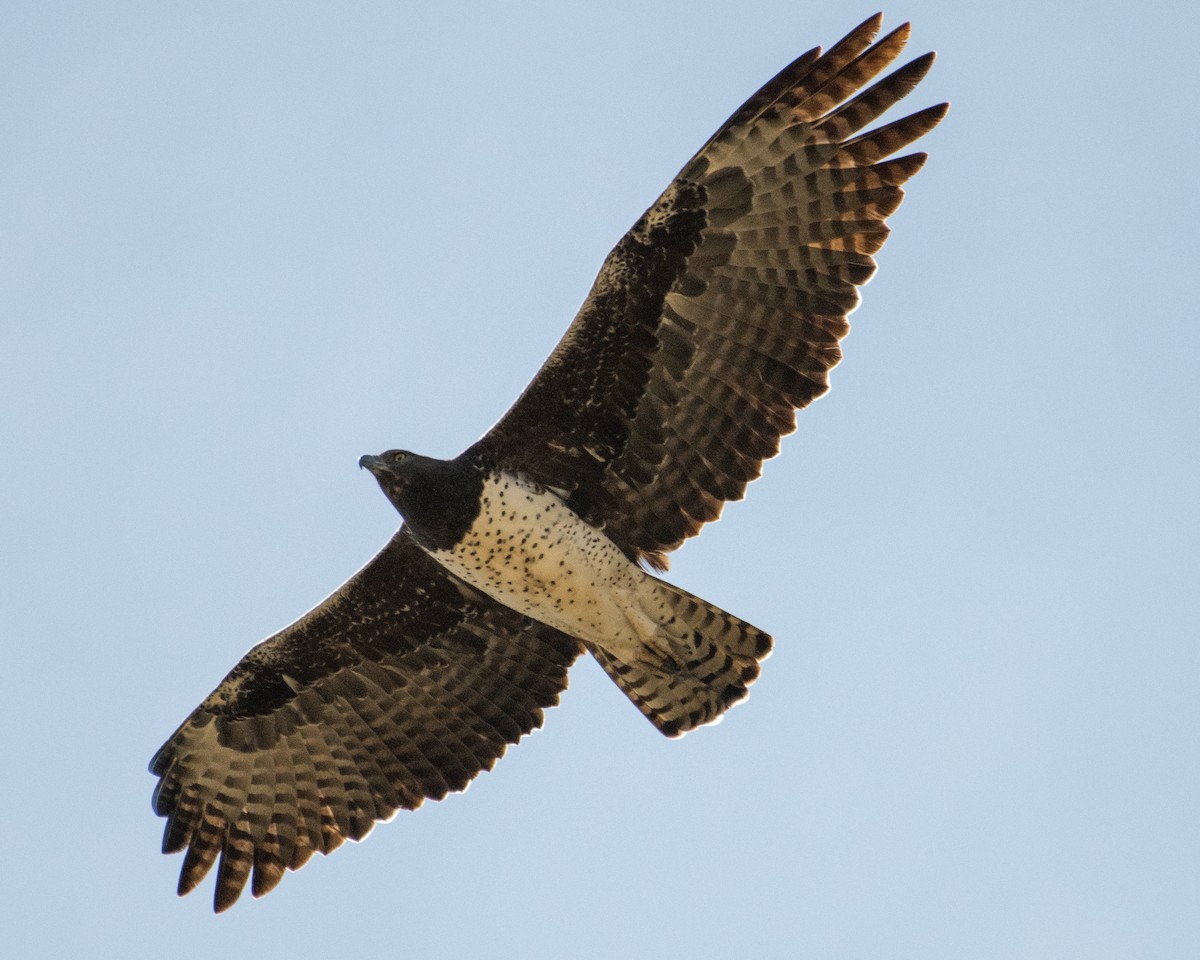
[{"x": 715, "y": 318}]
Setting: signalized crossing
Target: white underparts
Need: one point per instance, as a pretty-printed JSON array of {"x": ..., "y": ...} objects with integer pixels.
[{"x": 527, "y": 550}]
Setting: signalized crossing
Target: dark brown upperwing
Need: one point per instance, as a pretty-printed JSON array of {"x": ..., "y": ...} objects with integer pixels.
[
  {"x": 720, "y": 313},
  {"x": 402, "y": 686}
]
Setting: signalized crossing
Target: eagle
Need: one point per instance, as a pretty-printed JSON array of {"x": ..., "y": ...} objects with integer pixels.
[{"x": 713, "y": 320}]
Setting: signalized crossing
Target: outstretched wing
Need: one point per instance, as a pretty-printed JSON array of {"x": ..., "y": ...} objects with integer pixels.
[
  {"x": 402, "y": 686},
  {"x": 720, "y": 313}
]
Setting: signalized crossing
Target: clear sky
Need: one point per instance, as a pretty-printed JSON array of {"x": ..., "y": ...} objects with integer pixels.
[{"x": 242, "y": 244}]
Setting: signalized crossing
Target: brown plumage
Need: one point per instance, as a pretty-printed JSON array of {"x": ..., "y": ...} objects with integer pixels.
[
  {"x": 720, "y": 313},
  {"x": 712, "y": 321},
  {"x": 402, "y": 686}
]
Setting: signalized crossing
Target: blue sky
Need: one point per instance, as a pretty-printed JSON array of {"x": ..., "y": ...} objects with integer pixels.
[{"x": 242, "y": 244}]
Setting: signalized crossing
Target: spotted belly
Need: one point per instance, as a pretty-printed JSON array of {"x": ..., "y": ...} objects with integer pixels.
[{"x": 527, "y": 550}]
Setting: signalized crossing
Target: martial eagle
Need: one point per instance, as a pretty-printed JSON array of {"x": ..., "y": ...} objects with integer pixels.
[{"x": 714, "y": 319}]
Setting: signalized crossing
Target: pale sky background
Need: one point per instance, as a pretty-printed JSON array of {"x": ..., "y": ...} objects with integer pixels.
[{"x": 242, "y": 244}]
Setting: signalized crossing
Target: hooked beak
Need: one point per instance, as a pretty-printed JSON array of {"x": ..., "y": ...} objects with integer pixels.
[{"x": 373, "y": 463}]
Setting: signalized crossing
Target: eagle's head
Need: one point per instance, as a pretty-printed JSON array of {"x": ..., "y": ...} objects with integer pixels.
[
  {"x": 397, "y": 472},
  {"x": 435, "y": 497}
]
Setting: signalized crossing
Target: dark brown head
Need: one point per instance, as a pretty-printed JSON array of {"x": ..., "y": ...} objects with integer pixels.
[
  {"x": 396, "y": 471},
  {"x": 437, "y": 498}
]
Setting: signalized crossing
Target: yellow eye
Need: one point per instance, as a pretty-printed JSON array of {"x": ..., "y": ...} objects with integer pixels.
[{"x": 398, "y": 455}]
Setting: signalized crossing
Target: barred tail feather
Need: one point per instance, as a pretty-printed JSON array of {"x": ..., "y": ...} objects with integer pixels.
[{"x": 702, "y": 663}]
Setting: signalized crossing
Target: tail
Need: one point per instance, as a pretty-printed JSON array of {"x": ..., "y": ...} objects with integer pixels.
[{"x": 701, "y": 664}]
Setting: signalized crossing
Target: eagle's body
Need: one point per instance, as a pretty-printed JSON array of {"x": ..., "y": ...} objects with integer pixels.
[
  {"x": 528, "y": 550},
  {"x": 715, "y": 318},
  {"x": 522, "y": 545}
]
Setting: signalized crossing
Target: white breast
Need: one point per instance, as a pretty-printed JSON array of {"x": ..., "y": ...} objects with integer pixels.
[{"x": 528, "y": 551}]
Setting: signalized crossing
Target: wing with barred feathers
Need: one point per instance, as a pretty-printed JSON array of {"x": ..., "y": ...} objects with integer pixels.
[
  {"x": 720, "y": 313},
  {"x": 400, "y": 687}
]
